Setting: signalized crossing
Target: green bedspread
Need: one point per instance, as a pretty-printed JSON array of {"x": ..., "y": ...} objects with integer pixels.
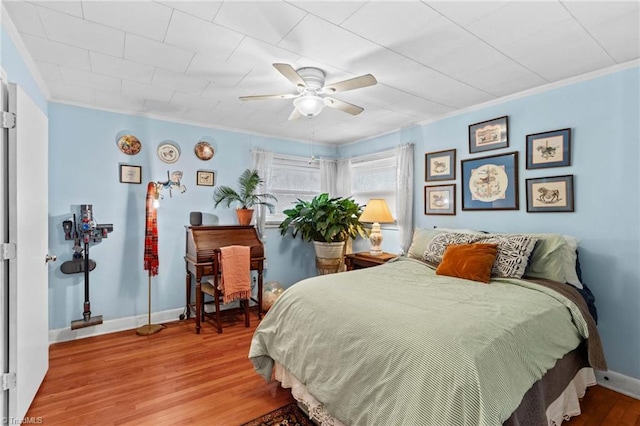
[{"x": 399, "y": 345}]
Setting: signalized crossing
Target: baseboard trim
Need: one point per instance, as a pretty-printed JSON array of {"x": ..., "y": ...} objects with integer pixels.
[
  {"x": 625, "y": 385},
  {"x": 111, "y": 326}
]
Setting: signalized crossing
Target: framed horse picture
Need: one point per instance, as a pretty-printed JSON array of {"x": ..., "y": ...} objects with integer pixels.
[
  {"x": 440, "y": 165},
  {"x": 550, "y": 194}
]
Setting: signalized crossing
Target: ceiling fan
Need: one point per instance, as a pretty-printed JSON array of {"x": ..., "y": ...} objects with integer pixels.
[{"x": 312, "y": 92}]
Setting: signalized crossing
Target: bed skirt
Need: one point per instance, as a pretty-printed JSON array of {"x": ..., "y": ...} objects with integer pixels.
[{"x": 561, "y": 401}]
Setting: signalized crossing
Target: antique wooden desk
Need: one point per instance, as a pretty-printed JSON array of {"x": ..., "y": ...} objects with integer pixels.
[{"x": 200, "y": 244}]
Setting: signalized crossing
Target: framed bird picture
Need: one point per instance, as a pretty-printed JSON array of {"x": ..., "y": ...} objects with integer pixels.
[{"x": 490, "y": 183}]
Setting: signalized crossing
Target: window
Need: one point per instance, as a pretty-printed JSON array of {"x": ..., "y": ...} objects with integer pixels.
[
  {"x": 374, "y": 176},
  {"x": 292, "y": 178}
]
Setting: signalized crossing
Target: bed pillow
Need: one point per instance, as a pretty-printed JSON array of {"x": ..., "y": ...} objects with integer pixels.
[
  {"x": 548, "y": 258},
  {"x": 439, "y": 243},
  {"x": 460, "y": 230},
  {"x": 571, "y": 256},
  {"x": 421, "y": 239},
  {"x": 469, "y": 261},
  {"x": 566, "y": 255},
  {"x": 513, "y": 253}
]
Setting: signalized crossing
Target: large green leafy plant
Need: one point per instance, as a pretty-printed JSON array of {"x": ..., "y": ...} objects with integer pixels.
[
  {"x": 246, "y": 195},
  {"x": 324, "y": 219}
]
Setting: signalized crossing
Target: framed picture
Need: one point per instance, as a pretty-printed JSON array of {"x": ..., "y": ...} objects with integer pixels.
[
  {"x": 440, "y": 199},
  {"x": 440, "y": 165},
  {"x": 490, "y": 183},
  {"x": 550, "y": 194},
  {"x": 130, "y": 174},
  {"x": 488, "y": 135},
  {"x": 549, "y": 149},
  {"x": 205, "y": 178}
]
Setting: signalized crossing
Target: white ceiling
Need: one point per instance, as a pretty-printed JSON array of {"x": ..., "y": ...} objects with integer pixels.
[{"x": 191, "y": 60}]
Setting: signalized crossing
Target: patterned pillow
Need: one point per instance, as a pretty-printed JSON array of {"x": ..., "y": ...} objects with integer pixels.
[
  {"x": 513, "y": 253},
  {"x": 439, "y": 244}
]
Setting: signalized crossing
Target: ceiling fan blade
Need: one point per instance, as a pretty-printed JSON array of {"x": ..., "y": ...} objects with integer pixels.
[
  {"x": 291, "y": 74},
  {"x": 343, "y": 106},
  {"x": 295, "y": 114},
  {"x": 353, "y": 83},
  {"x": 261, "y": 97}
]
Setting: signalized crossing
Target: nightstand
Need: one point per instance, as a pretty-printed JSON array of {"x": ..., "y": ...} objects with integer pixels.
[{"x": 366, "y": 260}]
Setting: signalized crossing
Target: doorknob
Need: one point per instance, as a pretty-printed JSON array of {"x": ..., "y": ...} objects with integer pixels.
[{"x": 50, "y": 258}]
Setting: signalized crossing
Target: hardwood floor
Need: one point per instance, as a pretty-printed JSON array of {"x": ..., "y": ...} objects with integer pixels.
[
  {"x": 179, "y": 377},
  {"x": 170, "y": 378},
  {"x": 602, "y": 406}
]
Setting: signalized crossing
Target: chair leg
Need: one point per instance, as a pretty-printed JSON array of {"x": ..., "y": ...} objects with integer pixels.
[
  {"x": 199, "y": 307},
  {"x": 245, "y": 303},
  {"x": 216, "y": 297}
]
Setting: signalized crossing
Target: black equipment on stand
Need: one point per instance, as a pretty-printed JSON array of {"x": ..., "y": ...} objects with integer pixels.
[{"x": 85, "y": 231}]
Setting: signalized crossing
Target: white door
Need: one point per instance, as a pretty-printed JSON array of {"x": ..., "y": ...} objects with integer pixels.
[
  {"x": 4, "y": 264},
  {"x": 28, "y": 351}
]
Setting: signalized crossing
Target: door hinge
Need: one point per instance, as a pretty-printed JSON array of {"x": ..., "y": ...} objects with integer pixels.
[
  {"x": 9, "y": 381},
  {"x": 8, "y": 120},
  {"x": 8, "y": 251}
]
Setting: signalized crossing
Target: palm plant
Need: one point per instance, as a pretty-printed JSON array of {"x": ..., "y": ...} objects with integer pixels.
[{"x": 246, "y": 196}]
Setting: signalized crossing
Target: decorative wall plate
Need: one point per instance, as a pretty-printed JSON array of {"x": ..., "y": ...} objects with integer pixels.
[
  {"x": 168, "y": 152},
  {"x": 129, "y": 145},
  {"x": 204, "y": 150}
]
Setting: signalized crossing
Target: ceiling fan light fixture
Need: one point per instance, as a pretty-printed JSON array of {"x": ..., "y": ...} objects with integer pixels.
[{"x": 309, "y": 105}]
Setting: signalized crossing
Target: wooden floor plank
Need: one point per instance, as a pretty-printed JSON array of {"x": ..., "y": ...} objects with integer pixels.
[{"x": 179, "y": 377}]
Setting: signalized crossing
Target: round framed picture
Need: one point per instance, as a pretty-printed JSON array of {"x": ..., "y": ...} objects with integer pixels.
[
  {"x": 204, "y": 150},
  {"x": 168, "y": 152},
  {"x": 129, "y": 144}
]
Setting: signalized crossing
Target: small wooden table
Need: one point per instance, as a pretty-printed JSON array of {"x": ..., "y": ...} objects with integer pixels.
[{"x": 366, "y": 260}]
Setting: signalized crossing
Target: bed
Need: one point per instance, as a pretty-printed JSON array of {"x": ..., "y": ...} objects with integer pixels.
[{"x": 402, "y": 344}]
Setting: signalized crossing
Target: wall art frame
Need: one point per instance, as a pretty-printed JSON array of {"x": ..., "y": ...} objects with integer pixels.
[
  {"x": 440, "y": 165},
  {"x": 549, "y": 149},
  {"x": 552, "y": 194},
  {"x": 205, "y": 178},
  {"x": 440, "y": 199},
  {"x": 490, "y": 183},
  {"x": 130, "y": 174},
  {"x": 489, "y": 135}
]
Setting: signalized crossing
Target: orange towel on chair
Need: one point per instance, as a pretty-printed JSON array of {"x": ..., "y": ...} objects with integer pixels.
[{"x": 236, "y": 272}]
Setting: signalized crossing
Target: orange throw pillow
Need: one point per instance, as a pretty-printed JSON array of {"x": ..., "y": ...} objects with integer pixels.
[{"x": 468, "y": 261}]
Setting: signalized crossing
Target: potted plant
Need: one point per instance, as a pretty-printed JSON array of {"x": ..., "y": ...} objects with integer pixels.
[
  {"x": 328, "y": 223},
  {"x": 246, "y": 196}
]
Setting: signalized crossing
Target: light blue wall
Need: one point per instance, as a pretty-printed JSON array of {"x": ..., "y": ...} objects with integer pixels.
[
  {"x": 17, "y": 72},
  {"x": 83, "y": 169},
  {"x": 604, "y": 115}
]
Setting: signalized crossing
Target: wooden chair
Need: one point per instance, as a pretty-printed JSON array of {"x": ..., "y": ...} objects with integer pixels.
[{"x": 212, "y": 288}]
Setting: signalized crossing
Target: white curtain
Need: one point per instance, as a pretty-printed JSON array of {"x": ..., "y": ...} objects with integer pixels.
[
  {"x": 327, "y": 176},
  {"x": 261, "y": 161},
  {"x": 404, "y": 194},
  {"x": 335, "y": 176},
  {"x": 343, "y": 177}
]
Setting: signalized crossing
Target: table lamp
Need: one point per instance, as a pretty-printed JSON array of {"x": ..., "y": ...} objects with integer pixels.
[{"x": 376, "y": 211}]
